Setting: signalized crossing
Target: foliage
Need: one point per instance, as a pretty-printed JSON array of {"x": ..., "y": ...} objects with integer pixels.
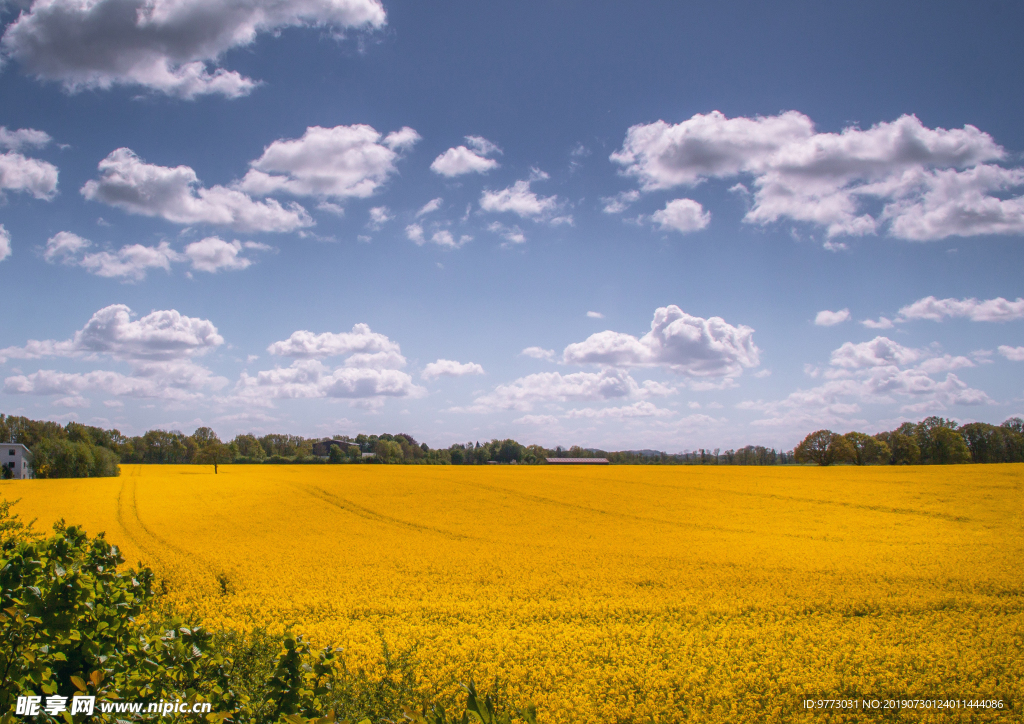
[
  {"x": 868, "y": 450},
  {"x": 57, "y": 458},
  {"x": 825, "y": 447}
]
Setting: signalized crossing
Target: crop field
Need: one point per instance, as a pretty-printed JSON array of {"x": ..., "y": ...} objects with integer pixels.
[{"x": 613, "y": 594}]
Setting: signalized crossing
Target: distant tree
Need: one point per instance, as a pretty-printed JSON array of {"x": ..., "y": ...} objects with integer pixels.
[
  {"x": 1015, "y": 424},
  {"x": 213, "y": 453},
  {"x": 388, "y": 451},
  {"x": 823, "y": 447},
  {"x": 867, "y": 450},
  {"x": 903, "y": 449},
  {"x": 947, "y": 447},
  {"x": 336, "y": 454},
  {"x": 249, "y": 447}
]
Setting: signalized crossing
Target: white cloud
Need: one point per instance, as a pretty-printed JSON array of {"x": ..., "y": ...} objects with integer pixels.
[
  {"x": 825, "y": 318},
  {"x": 213, "y": 254},
  {"x": 877, "y": 372},
  {"x": 450, "y": 368},
  {"x": 441, "y": 237},
  {"x": 311, "y": 379},
  {"x": 331, "y": 208},
  {"x": 430, "y": 207},
  {"x": 461, "y": 160},
  {"x": 19, "y": 139},
  {"x": 936, "y": 181},
  {"x": 879, "y": 352},
  {"x": 5, "y": 243},
  {"x": 538, "y": 353},
  {"x": 130, "y": 262},
  {"x": 158, "y": 346},
  {"x": 690, "y": 345},
  {"x": 168, "y": 46},
  {"x": 1014, "y": 354},
  {"x": 159, "y": 336},
  {"x": 620, "y": 202},
  {"x": 340, "y": 162},
  {"x": 595, "y": 315},
  {"x": 307, "y": 345},
  {"x": 414, "y": 233},
  {"x": 987, "y": 310},
  {"x": 524, "y": 392},
  {"x": 444, "y": 239},
  {"x": 682, "y": 215},
  {"x": 511, "y": 234},
  {"x": 174, "y": 194},
  {"x": 519, "y": 200},
  {"x": 171, "y": 386},
  {"x": 18, "y": 173},
  {"x": 881, "y": 323},
  {"x": 637, "y": 409},
  {"x": 379, "y": 215},
  {"x": 63, "y": 245},
  {"x": 540, "y": 420}
]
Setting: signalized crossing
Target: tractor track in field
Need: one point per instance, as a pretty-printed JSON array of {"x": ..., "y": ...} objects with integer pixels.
[
  {"x": 357, "y": 510},
  {"x": 630, "y": 516},
  {"x": 131, "y": 502},
  {"x": 816, "y": 501}
]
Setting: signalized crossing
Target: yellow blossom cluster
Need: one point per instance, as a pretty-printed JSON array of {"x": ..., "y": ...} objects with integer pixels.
[{"x": 614, "y": 594}]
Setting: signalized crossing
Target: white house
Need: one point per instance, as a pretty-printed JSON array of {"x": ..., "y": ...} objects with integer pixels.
[{"x": 16, "y": 459}]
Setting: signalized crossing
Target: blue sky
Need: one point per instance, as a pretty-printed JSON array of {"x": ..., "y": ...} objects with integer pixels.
[{"x": 656, "y": 224}]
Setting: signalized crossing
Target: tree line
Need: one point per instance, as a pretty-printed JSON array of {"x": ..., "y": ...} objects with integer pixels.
[
  {"x": 76, "y": 450},
  {"x": 933, "y": 441}
]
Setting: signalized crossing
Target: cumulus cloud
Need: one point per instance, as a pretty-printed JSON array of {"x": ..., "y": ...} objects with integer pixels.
[
  {"x": 682, "y": 215},
  {"x": 159, "y": 336},
  {"x": 168, "y": 46},
  {"x": 340, "y": 162},
  {"x": 5, "y": 243},
  {"x": 19, "y": 139},
  {"x": 462, "y": 160},
  {"x": 880, "y": 323},
  {"x": 626, "y": 412},
  {"x": 18, "y": 173},
  {"x": 825, "y": 318},
  {"x": 595, "y": 315},
  {"x": 987, "y": 310},
  {"x": 538, "y": 353},
  {"x": 450, "y": 368},
  {"x": 175, "y": 194},
  {"x": 1014, "y": 354},
  {"x": 309, "y": 379},
  {"x": 133, "y": 261},
  {"x": 620, "y": 202},
  {"x": 512, "y": 235},
  {"x": 442, "y": 237},
  {"x": 430, "y": 207},
  {"x": 130, "y": 262},
  {"x": 159, "y": 347},
  {"x": 379, "y": 215},
  {"x": 524, "y": 392},
  {"x": 307, "y": 345},
  {"x": 520, "y": 200},
  {"x": 880, "y": 371},
  {"x": 934, "y": 182},
  {"x": 693, "y": 346},
  {"x": 213, "y": 254}
]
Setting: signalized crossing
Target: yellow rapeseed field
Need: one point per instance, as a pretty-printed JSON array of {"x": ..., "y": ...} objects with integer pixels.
[{"x": 613, "y": 594}]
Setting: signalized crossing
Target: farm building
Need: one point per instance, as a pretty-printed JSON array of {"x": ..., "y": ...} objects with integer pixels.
[
  {"x": 577, "y": 461},
  {"x": 16, "y": 460},
  {"x": 323, "y": 449}
]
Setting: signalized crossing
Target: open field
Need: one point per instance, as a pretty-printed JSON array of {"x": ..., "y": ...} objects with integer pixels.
[{"x": 612, "y": 594}]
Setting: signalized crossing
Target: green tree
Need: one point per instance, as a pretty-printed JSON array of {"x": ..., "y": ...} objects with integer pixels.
[
  {"x": 214, "y": 453},
  {"x": 867, "y": 450},
  {"x": 388, "y": 451},
  {"x": 903, "y": 449},
  {"x": 824, "y": 447}
]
